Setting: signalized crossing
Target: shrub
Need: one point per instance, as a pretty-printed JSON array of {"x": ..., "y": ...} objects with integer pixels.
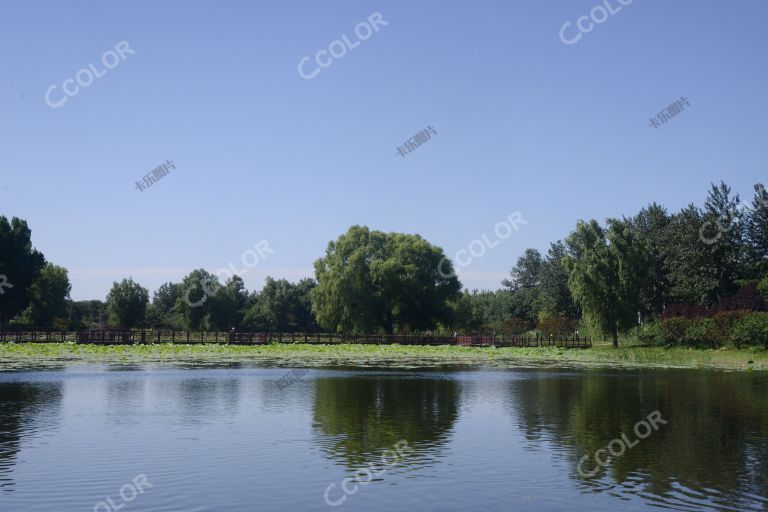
[
  {"x": 752, "y": 330},
  {"x": 724, "y": 322},
  {"x": 702, "y": 333},
  {"x": 649, "y": 333},
  {"x": 558, "y": 325},
  {"x": 673, "y": 330},
  {"x": 762, "y": 287}
]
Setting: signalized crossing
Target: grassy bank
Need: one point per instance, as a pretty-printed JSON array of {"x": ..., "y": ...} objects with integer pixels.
[{"x": 52, "y": 355}]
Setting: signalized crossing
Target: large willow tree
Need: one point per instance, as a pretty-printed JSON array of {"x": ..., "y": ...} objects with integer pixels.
[
  {"x": 607, "y": 271},
  {"x": 370, "y": 281}
]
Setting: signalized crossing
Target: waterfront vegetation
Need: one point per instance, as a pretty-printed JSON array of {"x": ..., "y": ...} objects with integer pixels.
[
  {"x": 697, "y": 278},
  {"x": 385, "y": 356}
]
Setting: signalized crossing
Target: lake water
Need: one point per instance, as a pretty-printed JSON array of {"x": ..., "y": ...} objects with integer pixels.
[{"x": 99, "y": 438}]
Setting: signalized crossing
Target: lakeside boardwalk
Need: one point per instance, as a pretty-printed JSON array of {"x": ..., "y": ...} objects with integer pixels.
[{"x": 143, "y": 337}]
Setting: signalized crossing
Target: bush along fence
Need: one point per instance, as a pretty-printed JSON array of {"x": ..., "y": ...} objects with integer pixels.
[{"x": 136, "y": 337}]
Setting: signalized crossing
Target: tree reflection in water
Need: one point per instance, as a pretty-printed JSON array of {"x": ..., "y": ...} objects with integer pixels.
[
  {"x": 357, "y": 418},
  {"x": 714, "y": 448}
]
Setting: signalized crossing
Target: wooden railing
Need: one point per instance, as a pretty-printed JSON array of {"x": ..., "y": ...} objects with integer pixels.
[{"x": 133, "y": 337}]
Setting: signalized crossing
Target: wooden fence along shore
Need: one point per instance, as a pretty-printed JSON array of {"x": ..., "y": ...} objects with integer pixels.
[{"x": 136, "y": 337}]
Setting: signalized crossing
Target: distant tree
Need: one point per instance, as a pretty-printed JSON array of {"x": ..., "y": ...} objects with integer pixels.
[
  {"x": 227, "y": 304},
  {"x": 726, "y": 251},
  {"x": 651, "y": 225},
  {"x": 607, "y": 271},
  {"x": 526, "y": 274},
  {"x": 554, "y": 296},
  {"x": 86, "y": 314},
  {"x": 195, "y": 302},
  {"x": 692, "y": 277},
  {"x": 162, "y": 312},
  {"x": 49, "y": 296},
  {"x": 371, "y": 280},
  {"x": 757, "y": 232},
  {"x": 20, "y": 266},
  {"x": 282, "y": 306},
  {"x": 127, "y": 303}
]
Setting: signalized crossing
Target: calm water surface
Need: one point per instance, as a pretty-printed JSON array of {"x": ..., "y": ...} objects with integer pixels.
[{"x": 242, "y": 439}]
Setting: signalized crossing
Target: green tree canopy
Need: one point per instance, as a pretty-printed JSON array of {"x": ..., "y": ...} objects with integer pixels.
[
  {"x": 127, "y": 303},
  {"x": 370, "y": 280},
  {"x": 20, "y": 266},
  {"x": 282, "y": 306},
  {"x": 49, "y": 296},
  {"x": 607, "y": 269}
]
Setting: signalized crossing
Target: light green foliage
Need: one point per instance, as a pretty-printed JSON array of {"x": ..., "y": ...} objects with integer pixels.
[
  {"x": 607, "y": 273},
  {"x": 370, "y": 280}
]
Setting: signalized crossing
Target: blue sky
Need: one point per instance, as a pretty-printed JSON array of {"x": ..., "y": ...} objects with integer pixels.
[{"x": 524, "y": 123}]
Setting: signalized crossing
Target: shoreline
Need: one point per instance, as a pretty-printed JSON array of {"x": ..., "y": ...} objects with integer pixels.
[{"x": 14, "y": 357}]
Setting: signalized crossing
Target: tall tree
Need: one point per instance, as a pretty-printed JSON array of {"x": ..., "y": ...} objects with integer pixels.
[
  {"x": 607, "y": 270},
  {"x": 20, "y": 266},
  {"x": 162, "y": 312},
  {"x": 651, "y": 224},
  {"x": 127, "y": 303},
  {"x": 228, "y": 304},
  {"x": 692, "y": 278},
  {"x": 526, "y": 274},
  {"x": 555, "y": 297},
  {"x": 49, "y": 296},
  {"x": 371, "y": 280},
  {"x": 196, "y": 301},
  {"x": 726, "y": 250},
  {"x": 757, "y": 232}
]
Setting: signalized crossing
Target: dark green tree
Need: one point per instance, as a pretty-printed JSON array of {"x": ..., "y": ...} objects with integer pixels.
[
  {"x": 554, "y": 296},
  {"x": 49, "y": 296},
  {"x": 127, "y": 303},
  {"x": 20, "y": 266},
  {"x": 757, "y": 232},
  {"x": 651, "y": 225}
]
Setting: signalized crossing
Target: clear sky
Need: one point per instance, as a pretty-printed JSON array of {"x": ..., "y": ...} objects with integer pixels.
[{"x": 523, "y": 121}]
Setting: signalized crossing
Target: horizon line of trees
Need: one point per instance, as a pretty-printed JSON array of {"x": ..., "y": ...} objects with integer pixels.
[{"x": 603, "y": 279}]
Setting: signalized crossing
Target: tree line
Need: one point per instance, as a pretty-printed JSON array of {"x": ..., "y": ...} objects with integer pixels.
[{"x": 606, "y": 279}]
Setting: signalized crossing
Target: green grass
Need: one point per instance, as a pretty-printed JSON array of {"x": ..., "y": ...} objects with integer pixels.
[{"x": 45, "y": 355}]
